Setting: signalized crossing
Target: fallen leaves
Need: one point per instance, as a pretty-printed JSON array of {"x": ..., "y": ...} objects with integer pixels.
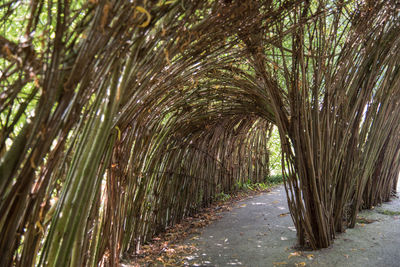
[
  {"x": 301, "y": 254},
  {"x": 294, "y": 254},
  {"x": 164, "y": 249},
  {"x": 170, "y": 255},
  {"x": 283, "y": 214},
  {"x": 310, "y": 256},
  {"x": 362, "y": 220},
  {"x": 279, "y": 263}
]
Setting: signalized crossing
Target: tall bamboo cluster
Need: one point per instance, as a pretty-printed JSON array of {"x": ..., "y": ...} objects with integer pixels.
[
  {"x": 176, "y": 158},
  {"x": 332, "y": 76},
  {"x": 174, "y": 173},
  {"x": 106, "y": 135},
  {"x": 119, "y": 118}
]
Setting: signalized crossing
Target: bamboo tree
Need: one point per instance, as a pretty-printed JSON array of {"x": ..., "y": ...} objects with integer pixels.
[{"x": 331, "y": 77}]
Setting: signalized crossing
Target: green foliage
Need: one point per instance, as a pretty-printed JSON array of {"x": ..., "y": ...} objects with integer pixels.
[
  {"x": 275, "y": 179},
  {"x": 390, "y": 212},
  {"x": 275, "y": 156},
  {"x": 247, "y": 185},
  {"x": 260, "y": 186},
  {"x": 222, "y": 197}
]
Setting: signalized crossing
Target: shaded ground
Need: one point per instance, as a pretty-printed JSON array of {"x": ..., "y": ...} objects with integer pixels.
[
  {"x": 167, "y": 248},
  {"x": 259, "y": 232}
]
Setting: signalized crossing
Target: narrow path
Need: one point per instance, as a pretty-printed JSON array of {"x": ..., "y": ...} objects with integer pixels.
[{"x": 259, "y": 232}]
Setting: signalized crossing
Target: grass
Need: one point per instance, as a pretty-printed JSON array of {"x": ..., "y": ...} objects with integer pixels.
[
  {"x": 269, "y": 181},
  {"x": 222, "y": 197},
  {"x": 275, "y": 179},
  {"x": 390, "y": 212}
]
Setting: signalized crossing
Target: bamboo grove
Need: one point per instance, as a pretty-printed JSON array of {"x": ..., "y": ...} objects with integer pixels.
[{"x": 120, "y": 118}]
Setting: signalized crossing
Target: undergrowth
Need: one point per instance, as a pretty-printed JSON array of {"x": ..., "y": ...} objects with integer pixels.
[{"x": 250, "y": 186}]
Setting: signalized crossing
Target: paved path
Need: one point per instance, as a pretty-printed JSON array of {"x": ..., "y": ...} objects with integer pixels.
[{"x": 260, "y": 232}]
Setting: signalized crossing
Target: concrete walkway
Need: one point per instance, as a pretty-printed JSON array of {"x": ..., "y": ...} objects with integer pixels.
[{"x": 259, "y": 232}]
